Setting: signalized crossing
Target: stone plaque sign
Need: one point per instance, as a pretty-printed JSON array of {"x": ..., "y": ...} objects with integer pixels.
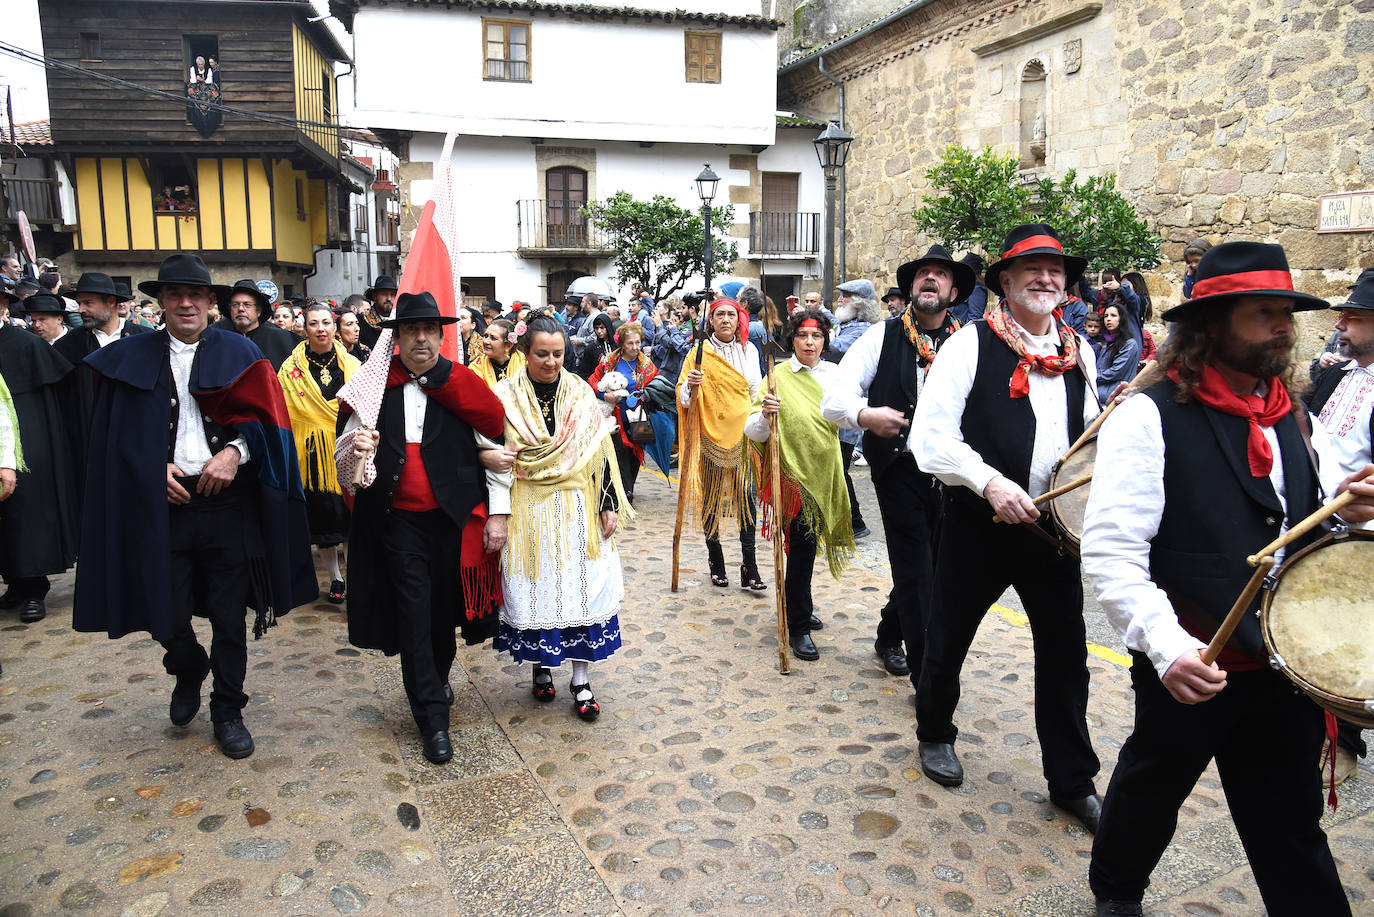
[
  {"x": 1348, "y": 211},
  {"x": 1073, "y": 55}
]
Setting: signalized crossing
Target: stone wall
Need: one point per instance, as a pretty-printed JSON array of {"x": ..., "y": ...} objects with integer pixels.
[{"x": 1221, "y": 119}]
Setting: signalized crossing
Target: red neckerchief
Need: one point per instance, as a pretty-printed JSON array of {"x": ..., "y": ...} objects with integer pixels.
[
  {"x": 1214, "y": 392},
  {"x": 1006, "y": 328}
]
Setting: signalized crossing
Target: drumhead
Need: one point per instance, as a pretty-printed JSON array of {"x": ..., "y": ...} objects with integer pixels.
[
  {"x": 1319, "y": 616},
  {"x": 1069, "y": 510}
]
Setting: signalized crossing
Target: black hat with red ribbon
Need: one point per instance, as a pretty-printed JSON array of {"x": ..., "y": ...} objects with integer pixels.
[
  {"x": 1033, "y": 239},
  {"x": 1235, "y": 269}
]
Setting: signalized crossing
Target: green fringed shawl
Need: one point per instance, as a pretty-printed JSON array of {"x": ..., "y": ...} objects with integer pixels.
[{"x": 7, "y": 406}]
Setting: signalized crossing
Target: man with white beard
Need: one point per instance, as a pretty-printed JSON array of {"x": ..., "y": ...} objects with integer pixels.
[{"x": 1004, "y": 401}]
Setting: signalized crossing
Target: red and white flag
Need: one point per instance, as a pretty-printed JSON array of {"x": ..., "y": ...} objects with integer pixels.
[{"x": 432, "y": 265}]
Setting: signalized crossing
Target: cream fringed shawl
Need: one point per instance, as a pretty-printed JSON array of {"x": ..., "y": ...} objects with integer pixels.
[{"x": 575, "y": 457}]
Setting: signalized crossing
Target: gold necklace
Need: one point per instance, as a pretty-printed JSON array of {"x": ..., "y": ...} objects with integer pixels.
[
  {"x": 546, "y": 406},
  {"x": 325, "y": 376}
]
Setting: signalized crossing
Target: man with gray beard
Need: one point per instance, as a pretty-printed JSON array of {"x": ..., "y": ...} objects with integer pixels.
[
  {"x": 1006, "y": 398},
  {"x": 855, "y": 312}
]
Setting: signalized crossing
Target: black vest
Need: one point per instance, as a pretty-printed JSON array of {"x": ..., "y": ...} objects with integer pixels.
[
  {"x": 1000, "y": 428},
  {"x": 1324, "y": 386},
  {"x": 447, "y": 446},
  {"x": 893, "y": 386},
  {"x": 1216, "y": 513}
]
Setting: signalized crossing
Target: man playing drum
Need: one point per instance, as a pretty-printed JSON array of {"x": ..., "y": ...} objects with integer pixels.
[
  {"x": 1342, "y": 396},
  {"x": 1001, "y": 404},
  {"x": 1193, "y": 474}
]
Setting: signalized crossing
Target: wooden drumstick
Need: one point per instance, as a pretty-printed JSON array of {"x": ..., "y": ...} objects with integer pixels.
[
  {"x": 1326, "y": 510},
  {"x": 1237, "y": 612},
  {"x": 1143, "y": 380},
  {"x": 1057, "y": 492}
]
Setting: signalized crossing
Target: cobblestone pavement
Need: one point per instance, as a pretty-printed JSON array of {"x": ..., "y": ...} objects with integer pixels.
[{"x": 711, "y": 784}]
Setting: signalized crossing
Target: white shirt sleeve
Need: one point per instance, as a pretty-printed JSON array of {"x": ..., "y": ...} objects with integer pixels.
[
  {"x": 498, "y": 492},
  {"x": 756, "y": 428},
  {"x": 1124, "y": 510},
  {"x": 848, "y": 394},
  {"x": 937, "y": 439}
]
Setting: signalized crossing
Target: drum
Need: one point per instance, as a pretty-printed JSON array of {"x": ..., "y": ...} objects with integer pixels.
[
  {"x": 1067, "y": 510},
  {"x": 1318, "y": 624}
]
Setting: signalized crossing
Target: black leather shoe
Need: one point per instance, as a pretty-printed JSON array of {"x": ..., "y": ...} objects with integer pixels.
[
  {"x": 1088, "y": 810},
  {"x": 234, "y": 739},
  {"x": 940, "y": 763},
  {"x": 815, "y": 623},
  {"x": 33, "y": 610},
  {"x": 894, "y": 660},
  {"x": 1107, "y": 908},
  {"x": 803, "y": 647},
  {"x": 862, "y": 531},
  {"x": 186, "y": 698},
  {"x": 448, "y": 694},
  {"x": 438, "y": 749}
]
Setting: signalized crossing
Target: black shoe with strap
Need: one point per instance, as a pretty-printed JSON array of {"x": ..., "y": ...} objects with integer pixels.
[
  {"x": 337, "y": 593},
  {"x": 749, "y": 578},
  {"x": 584, "y": 701},
  {"x": 542, "y": 685}
]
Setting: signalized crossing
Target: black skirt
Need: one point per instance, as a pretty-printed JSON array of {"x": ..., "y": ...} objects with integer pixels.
[{"x": 328, "y": 516}]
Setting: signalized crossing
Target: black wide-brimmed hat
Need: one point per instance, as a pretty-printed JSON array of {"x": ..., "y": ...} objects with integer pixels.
[
  {"x": 417, "y": 307},
  {"x": 123, "y": 293},
  {"x": 181, "y": 268},
  {"x": 44, "y": 302},
  {"x": 1033, "y": 239},
  {"x": 964, "y": 278},
  {"x": 893, "y": 291},
  {"x": 251, "y": 288},
  {"x": 1361, "y": 294},
  {"x": 384, "y": 282},
  {"x": 10, "y": 297},
  {"x": 1234, "y": 269},
  {"x": 95, "y": 282}
]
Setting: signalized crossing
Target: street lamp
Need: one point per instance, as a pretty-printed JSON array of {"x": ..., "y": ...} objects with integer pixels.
[
  {"x": 706, "y": 190},
  {"x": 832, "y": 149}
]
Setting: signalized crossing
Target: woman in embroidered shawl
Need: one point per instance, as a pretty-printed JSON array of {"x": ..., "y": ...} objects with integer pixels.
[
  {"x": 311, "y": 378},
  {"x": 499, "y": 358},
  {"x": 553, "y": 518},
  {"x": 815, "y": 498},
  {"x": 630, "y": 360}
]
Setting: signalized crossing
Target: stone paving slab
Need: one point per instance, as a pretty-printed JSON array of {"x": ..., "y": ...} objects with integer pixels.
[{"x": 711, "y": 784}]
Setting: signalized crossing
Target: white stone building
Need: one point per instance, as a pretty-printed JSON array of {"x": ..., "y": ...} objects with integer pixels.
[
  {"x": 559, "y": 104},
  {"x": 371, "y": 213}
]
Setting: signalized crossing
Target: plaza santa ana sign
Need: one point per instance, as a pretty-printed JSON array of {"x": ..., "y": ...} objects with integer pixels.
[{"x": 1346, "y": 211}]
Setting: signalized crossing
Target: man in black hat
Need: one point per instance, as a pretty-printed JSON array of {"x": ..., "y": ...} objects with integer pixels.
[
  {"x": 38, "y": 522},
  {"x": 877, "y": 391},
  {"x": 972, "y": 308},
  {"x": 222, "y": 461},
  {"x": 895, "y": 300},
  {"x": 1002, "y": 404},
  {"x": 246, "y": 310},
  {"x": 1193, "y": 474},
  {"x": 1342, "y": 396},
  {"x": 404, "y": 590},
  {"x": 382, "y": 295},
  {"x": 46, "y": 313}
]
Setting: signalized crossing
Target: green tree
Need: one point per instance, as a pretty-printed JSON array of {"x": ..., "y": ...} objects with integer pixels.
[
  {"x": 976, "y": 198},
  {"x": 661, "y": 244}
]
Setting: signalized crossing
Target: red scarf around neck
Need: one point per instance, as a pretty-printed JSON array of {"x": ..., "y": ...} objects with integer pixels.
[{"x": 1214, "y": 392}]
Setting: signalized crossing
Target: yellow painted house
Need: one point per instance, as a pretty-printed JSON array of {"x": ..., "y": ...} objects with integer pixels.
[{"x": 254, "y": 187}]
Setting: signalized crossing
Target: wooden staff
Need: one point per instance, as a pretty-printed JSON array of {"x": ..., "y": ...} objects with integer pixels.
[
  {"x": 1147, "y": 377},
  {"x": 1057, "y": 492},
  {"x": 684, "y": 418},
  {"x": 1326, "y": 510},
  {"x": 1237, "y": 612},
  {"x": 779, "y": 523}
]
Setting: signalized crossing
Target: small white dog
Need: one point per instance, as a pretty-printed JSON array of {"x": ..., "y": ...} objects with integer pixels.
[{"x": 612, "y": 382}]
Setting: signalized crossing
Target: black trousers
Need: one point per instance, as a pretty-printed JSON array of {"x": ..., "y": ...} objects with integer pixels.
[
  {"x": 24, "y": 588},
  {"x": 628, "y": 463},
  {"x": 801, "y": 564},
  {"x": 746, "y": 542},
  {"x": 856, "y": 515},
  {"x": 978, "y": 559},
  {"x": 422, "y": 554},
  {"x": 1350, "y": 736},
  {"x": 211, "y": 539},
  {"x": 909, "y": 501},
  {"x": 1266, "y": 739}
]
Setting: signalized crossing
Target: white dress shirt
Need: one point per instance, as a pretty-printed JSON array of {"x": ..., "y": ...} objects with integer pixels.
[
  {"x": 743, "y": 356},
  {"x": 101, "y": 338},
  {"x": 1123, "y": 515},
  {"x": 756, "y": 428},
  {"x": 938, "y": 440},
  {"x": 1346, "y": 417},
  {"x": 192, "y": 450}
]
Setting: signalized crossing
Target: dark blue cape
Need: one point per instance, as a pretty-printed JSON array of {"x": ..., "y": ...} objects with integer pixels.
[{"x": 123, "y": 582}]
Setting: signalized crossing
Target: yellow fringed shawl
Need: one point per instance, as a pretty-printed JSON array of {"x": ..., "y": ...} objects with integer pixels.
[
  {"x": 312, "y": 417},
  {"x": 712, "y": 464},
  {"x": 576, "y": 457},
  {"x": 482, "y": 366}
]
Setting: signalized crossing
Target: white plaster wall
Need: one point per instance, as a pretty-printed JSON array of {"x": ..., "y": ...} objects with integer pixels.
[{"x": 604, "y": 80}]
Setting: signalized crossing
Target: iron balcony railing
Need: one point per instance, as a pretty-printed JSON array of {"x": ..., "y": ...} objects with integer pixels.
[
  {"x": 557, "y": 225},
  {"x": 784, "y": 232},
  {"x": 37, "y": 197}
]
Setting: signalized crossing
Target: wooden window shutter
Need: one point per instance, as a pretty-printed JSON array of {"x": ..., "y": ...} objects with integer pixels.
[{"x": 694, "y": 57}]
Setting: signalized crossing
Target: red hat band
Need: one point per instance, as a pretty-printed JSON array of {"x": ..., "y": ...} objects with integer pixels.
[
  {"x": 1243, "y": 282},
  {"x": 1031, "y": 242}
]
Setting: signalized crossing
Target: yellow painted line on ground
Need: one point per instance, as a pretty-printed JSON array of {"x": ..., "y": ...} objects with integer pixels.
[{"x": 1017, "y": 619}]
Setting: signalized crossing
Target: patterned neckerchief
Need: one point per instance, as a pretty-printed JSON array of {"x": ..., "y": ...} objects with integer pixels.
[
  {"x": 1005, "y": 327},
  {"x": 925, "y": 342}
]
